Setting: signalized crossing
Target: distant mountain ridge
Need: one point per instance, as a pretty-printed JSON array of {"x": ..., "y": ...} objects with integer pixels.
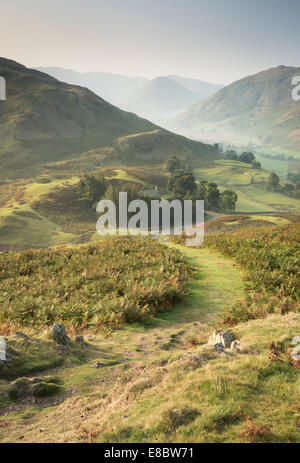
[
  {"x": 160, "y": 97},
  {"x": 199, "y": 88},
  {"x": 257, "y": 109},
  {"x": 138, "y": 93},
  {"x": 48, "y": 125},
  {"x": 114, "y": 88}
]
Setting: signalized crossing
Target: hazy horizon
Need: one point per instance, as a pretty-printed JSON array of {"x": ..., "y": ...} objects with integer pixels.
[
  {"x": 119, "y": 73},
  {"x": 214, "y": 42}
]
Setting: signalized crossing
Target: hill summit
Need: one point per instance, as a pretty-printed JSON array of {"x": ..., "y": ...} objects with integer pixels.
[{"x": 161, "y": 97}]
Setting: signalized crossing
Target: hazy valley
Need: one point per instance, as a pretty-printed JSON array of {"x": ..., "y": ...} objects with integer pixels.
[{"x": 255, "y": 111}]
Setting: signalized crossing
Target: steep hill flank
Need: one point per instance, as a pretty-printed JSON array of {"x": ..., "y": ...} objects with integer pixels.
[
  {"x": 44, "y": 122},
  {"x": 258, "y": 109}
]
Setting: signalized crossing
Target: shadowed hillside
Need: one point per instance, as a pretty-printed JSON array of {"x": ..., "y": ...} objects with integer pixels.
[{"x": 46, "y": 124}]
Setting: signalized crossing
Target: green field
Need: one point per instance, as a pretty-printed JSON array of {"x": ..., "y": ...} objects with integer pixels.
[
  {"x": 280, "y": 167},
  {"x": 250, "y": 186},
  {"x": 275, "y": 200}
]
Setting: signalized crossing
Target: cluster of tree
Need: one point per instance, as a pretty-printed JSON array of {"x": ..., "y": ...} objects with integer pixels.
[
  {"x": 246, "y": 157},
  {"x": 290, "y": 189},
  {"x": 91, "y": 188},
  {"x": 182, "y": 185},
  {"x": 214, "y": 199}
]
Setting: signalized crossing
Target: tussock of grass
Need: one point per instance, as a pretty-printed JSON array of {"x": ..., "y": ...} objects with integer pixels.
[{"x": 173, "y": 419}]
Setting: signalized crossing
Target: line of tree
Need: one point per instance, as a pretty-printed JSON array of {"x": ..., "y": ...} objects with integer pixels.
[
  {"x": 246, "y": 156},
  {"x": 182, "y": 184}
]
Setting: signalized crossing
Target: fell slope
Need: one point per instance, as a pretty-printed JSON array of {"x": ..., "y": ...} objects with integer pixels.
[
  {"x": 257, "y": 109},
  {"x": 44, "y": 122}
]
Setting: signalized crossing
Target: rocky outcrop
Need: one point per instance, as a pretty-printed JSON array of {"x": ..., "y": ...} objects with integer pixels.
[
  {"x": 222, "y": 341},
  {"x": 224, "y": 338}
]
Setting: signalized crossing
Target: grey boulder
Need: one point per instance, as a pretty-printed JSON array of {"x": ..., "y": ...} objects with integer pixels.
[
  {"x": 225, "y": 338},
  {"x": 59, "y": 335},
  {"x": 236, "y": 347}
]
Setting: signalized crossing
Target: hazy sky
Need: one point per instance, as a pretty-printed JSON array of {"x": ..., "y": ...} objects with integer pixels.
[{"x": 214, "y": 40}]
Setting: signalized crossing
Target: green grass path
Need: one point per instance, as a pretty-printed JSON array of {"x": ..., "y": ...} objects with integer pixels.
[{"x": 216, "y": 284}]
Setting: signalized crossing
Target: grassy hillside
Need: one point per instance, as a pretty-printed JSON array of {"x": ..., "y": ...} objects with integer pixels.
[
  {"x": 257, "y": 109},
  {"x": 229, "y": 223},
  {"x": 24, "y": 223},
  {"x": 159, "y": 381},
  {"x": 47, "y": 210},
  {"x": 48, "y": 126}
]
